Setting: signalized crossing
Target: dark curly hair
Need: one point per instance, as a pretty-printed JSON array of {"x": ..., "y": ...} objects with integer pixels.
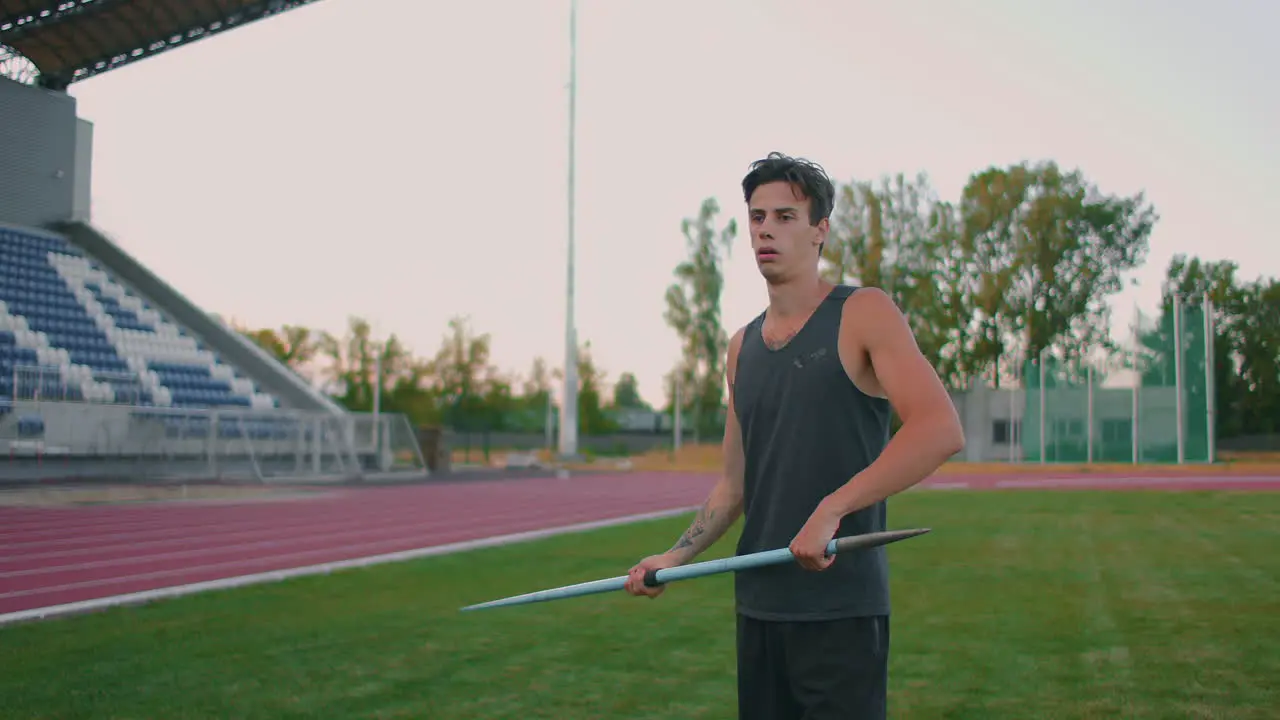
[
  {"x": 804, "y": 176},
  {"x": 807, "y": 177}
]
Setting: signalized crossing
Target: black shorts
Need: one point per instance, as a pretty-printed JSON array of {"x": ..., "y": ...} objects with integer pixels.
[{"x": 813, "y": 670}]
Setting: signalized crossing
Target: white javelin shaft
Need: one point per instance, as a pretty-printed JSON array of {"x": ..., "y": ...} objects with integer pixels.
[{"x": 709, "y": 567}]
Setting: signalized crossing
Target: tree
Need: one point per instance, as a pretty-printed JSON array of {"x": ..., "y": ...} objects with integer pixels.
[
  {"x": 1043, "y": 250},
  {"x": 293, "y": 345},
  {"x": 353, "y": 363},
  {"x": 1246, "y": 343},
  {"x": 1258, "y": 347},
  {"x": 590, "y": 405},
  {"x": 693, "y": 311},
  {"x": 897, "y": 236},
  {"x": 626, "y": 393},
  {"x": 463, "y": 376}
]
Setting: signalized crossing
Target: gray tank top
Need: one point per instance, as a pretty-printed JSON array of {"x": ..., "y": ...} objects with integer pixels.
[{"x": 806, "y": 430}]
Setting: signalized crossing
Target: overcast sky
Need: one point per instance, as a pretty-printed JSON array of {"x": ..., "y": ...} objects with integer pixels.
[{"x": 406, "y": 160}]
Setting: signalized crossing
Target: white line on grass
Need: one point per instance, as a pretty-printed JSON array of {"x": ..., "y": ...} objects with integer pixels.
[
  {"x": 145, "y": 596},
  {"x": 1119, "y": 482}
]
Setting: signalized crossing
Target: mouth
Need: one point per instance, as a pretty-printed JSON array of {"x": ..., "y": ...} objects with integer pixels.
[{"x": 766, "y": 253}]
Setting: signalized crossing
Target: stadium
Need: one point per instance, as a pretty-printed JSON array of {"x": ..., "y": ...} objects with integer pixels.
[
  {"x": 245, "y": 546},
  {"x": 106, "y": 369}
]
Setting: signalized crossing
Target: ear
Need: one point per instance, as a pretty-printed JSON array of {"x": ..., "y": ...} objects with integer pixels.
[{"x": 824, "y": 228}]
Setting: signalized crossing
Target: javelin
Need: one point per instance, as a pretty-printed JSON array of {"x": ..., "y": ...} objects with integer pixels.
[{"x": 710, "y": 567}]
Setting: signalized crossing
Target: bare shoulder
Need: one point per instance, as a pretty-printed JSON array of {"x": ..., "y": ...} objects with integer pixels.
[
  {"x": 880, "y": 353},
  {"x": 731, "y": 361},
  {"x": 869, "y": 317}
]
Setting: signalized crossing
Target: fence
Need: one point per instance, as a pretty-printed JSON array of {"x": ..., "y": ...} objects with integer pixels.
[
  {"x": 58, "y": 429},
  {"x": 1162, "y": 413}
]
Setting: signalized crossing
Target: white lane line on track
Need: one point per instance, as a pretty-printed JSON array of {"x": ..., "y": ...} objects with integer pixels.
[{"x": 324, "y": 568}]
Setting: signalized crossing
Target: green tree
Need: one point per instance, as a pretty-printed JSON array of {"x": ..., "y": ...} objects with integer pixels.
[
  {"x": 353, "y": 363},
  {"x": 1246, "y": 343},
  {"x": 693, "y": 311},
  {"x": 897, "y": 236},
  {"x": 1258, "y": 346},
  {"x": 590, "y": 404},
  {"x": 293, "y": 345},
  {"x": 463, "y": 377},
  {"x": 1044, "y": 249},
  {"x": 626, "y": 393}
]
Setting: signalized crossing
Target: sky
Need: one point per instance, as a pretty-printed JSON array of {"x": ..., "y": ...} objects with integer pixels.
[{"x": 406, "y": 161}]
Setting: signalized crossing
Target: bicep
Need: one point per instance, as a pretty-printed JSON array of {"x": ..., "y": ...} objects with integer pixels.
[
  {"x": 908, "y": 380},
  {"x": 731, "y": 447},
  {"x": 735, "y": 462}
]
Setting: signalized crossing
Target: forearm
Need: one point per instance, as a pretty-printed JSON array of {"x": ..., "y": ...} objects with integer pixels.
[
  {"x": 717, "y": 514},
  {"x": 914, "y": 453}
]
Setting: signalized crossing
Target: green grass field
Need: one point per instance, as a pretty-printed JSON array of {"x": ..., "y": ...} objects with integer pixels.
[{"x": 1018, "y": 605}]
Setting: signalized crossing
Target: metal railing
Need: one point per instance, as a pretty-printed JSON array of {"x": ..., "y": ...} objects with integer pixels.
[{"x": 55, "y": 418}]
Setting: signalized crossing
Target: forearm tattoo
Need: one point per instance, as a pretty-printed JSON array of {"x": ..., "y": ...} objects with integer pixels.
[{"x": 699, "y": 527}]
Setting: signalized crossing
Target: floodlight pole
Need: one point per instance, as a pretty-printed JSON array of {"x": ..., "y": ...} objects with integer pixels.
[{"x": 569, "y": 407}]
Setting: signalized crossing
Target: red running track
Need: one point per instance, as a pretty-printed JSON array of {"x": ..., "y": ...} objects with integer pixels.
[
  {"x": 64, "y": 555},
  {"x": 52, "y": 556}
]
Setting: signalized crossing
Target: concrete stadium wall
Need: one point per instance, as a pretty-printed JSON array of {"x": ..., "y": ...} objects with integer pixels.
[
  {"x": 39, "y": 139},
  {"x": 82, "y": 180}
]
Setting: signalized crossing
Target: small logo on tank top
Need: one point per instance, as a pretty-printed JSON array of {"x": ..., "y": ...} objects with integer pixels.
[{"x": 802, "y": 360}]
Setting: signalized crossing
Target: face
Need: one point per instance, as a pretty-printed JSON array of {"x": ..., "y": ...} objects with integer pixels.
[{"x": 784, "y": 242}]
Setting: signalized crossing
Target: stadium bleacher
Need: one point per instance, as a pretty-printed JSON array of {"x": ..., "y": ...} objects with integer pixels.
[
  {"x": 70, "y": 331},
  {"x": 103, "y": 364}
]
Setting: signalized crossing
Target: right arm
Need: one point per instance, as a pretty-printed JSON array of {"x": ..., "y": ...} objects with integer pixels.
[{"x": 722, "y": 506}]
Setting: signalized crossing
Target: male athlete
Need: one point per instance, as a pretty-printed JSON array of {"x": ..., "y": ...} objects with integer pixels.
[{"x": 812, "y": 381}]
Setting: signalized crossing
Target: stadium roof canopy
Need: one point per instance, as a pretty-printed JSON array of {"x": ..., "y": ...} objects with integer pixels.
[{"x": 53, "y": 43}]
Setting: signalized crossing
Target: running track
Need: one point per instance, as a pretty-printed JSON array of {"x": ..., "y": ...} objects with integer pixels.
[{"x": 56, "y": 556}]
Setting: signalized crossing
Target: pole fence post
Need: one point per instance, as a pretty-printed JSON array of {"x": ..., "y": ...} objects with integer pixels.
[
  {"x": 1179, "y": 386},
  {"x": 1089, "y": 419},
  {"x": 677, "y": 427},
  {"x": 1043, "y": 444},
  {"x": 1210, "y": 409}
]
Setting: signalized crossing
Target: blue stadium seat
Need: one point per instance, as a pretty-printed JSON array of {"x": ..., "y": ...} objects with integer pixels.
[{"x": 69, "y": 329}]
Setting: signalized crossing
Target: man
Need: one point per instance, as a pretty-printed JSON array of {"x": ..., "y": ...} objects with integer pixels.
[{"x": 808, "y": 457}]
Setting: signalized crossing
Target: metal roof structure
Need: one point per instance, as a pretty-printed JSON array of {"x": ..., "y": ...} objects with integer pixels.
[{"x": 53, "y": 43}]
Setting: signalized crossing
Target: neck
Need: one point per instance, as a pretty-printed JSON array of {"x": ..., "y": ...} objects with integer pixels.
[{"x": 797, "y": 297}]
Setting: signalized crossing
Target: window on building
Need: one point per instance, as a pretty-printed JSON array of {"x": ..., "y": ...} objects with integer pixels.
[{"x": 1004, "y": 432}]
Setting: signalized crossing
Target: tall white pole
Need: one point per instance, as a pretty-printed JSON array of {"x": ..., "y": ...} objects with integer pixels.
[
  {"x": 550, "y": 421},
  {"x": 1013, "y": 437},
  {"x": 569, "y": 408},
  {"x": 1179, "y": 402},
  {"x": 1135, "y": 427},
  {"x": 1089, "y": 421},
  {"x": 1211, "y": 412},
  {"x": 677, "y": 429},
  {"x": 1042, "y": 409}
]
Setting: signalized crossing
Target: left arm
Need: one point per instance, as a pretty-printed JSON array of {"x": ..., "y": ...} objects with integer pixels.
[{"x": 930, "y": 433}]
